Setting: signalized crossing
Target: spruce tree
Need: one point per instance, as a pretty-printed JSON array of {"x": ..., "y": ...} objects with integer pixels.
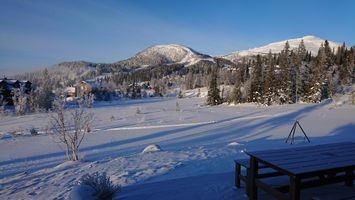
[
  {"x": 283, "y": 90},
  {"x": 44, "y": 92},
  {"x": 213, "y": 97},
  {"x": 302, "y": 51},
  {"x": 256, "y": 89},
  {"x": 236, "y": 96},
  {"x": 316, "y": 92},
  {"x": 269, "y": 84}
]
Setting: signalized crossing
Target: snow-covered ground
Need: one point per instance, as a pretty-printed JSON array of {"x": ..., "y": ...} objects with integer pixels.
[{"x": 198, "y": 145}]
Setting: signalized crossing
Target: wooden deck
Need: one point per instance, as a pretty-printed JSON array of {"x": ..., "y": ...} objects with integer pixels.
[{"x": 324, "y": 164}]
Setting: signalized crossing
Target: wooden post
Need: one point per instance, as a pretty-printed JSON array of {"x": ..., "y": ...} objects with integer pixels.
[
  {"x": 253, "y": 175},
  {"x": 237, "y": 175},
  {"x": 295, "y": 188}
]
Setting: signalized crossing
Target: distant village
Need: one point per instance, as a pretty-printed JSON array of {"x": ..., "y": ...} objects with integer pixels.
[{"x": 85, "y": 87}]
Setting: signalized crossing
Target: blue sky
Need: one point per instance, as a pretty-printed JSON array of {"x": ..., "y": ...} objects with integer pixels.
[{"x": 35, "y": 34}]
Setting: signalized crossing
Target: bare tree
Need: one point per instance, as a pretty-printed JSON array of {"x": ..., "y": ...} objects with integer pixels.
[
  {"x": 20, "y": 101},
  {"x": 70, "y": 126}
]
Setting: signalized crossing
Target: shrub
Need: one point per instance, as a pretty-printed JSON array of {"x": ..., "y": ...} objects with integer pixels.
[
  {"x": 33, "y": 131},
  {"x": 101, "y": 184}
]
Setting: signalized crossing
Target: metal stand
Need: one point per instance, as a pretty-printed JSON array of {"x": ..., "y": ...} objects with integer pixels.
[{"x": 291, "y": 136}]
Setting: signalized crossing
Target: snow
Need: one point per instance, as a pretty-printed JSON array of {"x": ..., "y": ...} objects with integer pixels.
[
  {"x": 170, "y": 53},
  {"x": 199, "y": 142},
  {"x": 82, "y": 192},
  {"x": 312, "y": 44},
  {"x": 70, "y": 89},
  {"x": 152, "y": 148}
]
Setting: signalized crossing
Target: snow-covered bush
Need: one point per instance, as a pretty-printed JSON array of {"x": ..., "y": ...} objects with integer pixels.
[
  {"x": 101, "y": 184},
  {"x": 20, "y": 102},
  {"x": 87, "y": 100},
  {"x": 33, "y": 131}
]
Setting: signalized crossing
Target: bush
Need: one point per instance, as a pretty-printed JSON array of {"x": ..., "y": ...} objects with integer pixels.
[
  {"x": 101, "y": 184},
  {"x": 33, "y": 131}
]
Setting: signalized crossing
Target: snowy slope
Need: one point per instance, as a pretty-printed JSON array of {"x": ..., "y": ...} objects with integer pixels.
[
  {"x": 312, "y": 44},
  {"x": 165, "y": 54}
]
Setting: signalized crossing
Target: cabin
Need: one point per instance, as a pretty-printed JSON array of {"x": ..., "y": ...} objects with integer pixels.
[{"x": 85, "y": 87}]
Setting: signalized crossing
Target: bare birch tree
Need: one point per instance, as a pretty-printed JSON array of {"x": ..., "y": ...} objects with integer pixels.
[{"x": 70, "y": 126}]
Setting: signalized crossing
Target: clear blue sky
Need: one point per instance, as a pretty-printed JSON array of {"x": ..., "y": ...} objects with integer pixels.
[{"x": 35, "y": 34}]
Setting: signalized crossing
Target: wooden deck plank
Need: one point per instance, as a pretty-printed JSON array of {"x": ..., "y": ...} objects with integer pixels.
[
  {"x": 304, "y": 148},
  {"x": 313, "y": 161},
  {"x": 302, "y": 154}
]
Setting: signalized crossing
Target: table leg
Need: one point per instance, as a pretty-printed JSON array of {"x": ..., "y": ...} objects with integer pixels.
[
  {"x": 237, "y": 175},
  {"x": 349, "y": 178},
  {"x": 253, "y": 175},
  {"x": 295, "y": 190}
]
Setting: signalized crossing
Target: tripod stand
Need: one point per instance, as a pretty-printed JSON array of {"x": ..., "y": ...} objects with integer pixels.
[{"x": 291, "y": 136}]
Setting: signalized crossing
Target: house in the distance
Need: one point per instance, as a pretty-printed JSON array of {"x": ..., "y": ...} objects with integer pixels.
[
  {"x": 85, "y": 87},
  {"x": 8, "y": 87}
]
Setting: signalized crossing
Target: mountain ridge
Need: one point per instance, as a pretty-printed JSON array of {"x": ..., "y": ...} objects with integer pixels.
[
  {"x": 312, "y": 44},
  {"x": 167, "y": 54}
]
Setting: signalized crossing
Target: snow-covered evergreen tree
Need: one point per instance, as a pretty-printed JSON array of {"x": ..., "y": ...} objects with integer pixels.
[{"x": 213, "y": 97}]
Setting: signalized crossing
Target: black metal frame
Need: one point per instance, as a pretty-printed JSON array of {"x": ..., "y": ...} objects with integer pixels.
[{"x": 291, "y": 136}]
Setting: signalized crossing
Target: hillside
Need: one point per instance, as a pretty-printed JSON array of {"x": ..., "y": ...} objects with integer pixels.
[{"x": 165, "y": 54}]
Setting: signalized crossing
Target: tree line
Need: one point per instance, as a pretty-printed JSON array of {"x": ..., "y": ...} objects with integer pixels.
[{"x": 293, "y": 75}]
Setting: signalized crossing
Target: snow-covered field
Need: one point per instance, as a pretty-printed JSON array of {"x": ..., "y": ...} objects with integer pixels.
[{"x": 199, "y": 144}]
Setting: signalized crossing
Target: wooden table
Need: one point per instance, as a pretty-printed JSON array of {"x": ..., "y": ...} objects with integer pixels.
[{"x": 305, "y": 167}]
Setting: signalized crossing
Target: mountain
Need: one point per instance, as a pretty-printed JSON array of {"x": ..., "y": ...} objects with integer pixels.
[
  {"x": 312, "y": 44},
  {"x": 174, "y": 54},
  {"x": 164, "y": 55}
]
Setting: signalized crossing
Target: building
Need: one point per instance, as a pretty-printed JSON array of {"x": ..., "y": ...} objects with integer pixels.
[
  {"x": 85, "y": 87},
  {"x": 8, "y": 87}
]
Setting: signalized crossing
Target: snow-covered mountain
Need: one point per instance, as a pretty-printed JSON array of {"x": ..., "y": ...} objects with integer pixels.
[
  {"x": 312, "y": 44},
  {"x": 165, "y": 54}
]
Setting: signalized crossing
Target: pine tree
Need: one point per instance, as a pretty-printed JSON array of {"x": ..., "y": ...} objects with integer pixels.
[
  {"x": 189, "y": 81},
  {"x": 316, "y": 92},
  {"x": 256, "y": 89},
  {"x": 45, "y": 95},
  {"x": 302, "y": 51},
  {"x": 236, "y": 96},
  {"x": 283, "y": 89},
  {"x": 213, "y": 97},
  {"x": 329, "y": 58},
  {"x": 269, "y": 86}
]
